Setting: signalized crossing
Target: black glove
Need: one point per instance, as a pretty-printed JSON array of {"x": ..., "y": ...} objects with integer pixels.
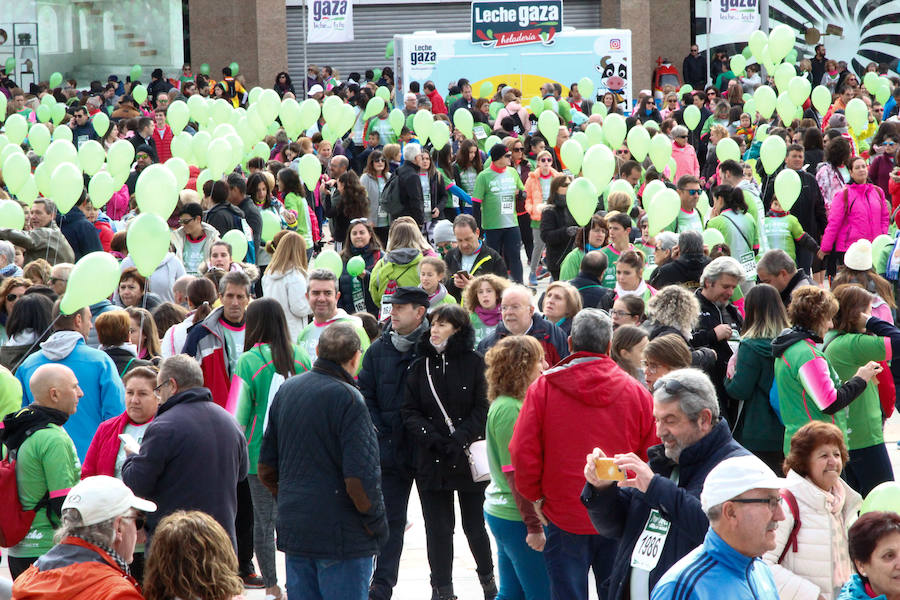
[{"x": 571, "y": 230}]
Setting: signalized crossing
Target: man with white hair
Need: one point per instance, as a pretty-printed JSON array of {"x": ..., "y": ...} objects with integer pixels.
[
  {"x": 44, "y": 238},
  {"x": 410, "y": 188},
  {"x": 518, "y": 318},
  {"x": 720, "y": 322},
  {"x": 740, "y": 497},
  {"x": 101, "y": 519},
  {"x": 685, "y": 156},
  {"x": 656, "y": 515},
  {"x": 410, "y": 104},
  {"x": 8, "y": 266}
]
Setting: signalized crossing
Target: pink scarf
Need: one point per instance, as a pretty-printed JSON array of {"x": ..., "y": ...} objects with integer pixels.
[
  {"x": 489, "y": 317},
  {"x": 834, "y": 502}
]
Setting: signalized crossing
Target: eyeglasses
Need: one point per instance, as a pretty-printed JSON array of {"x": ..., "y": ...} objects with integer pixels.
[
  {"x": 160, "y": 386},
  {"x": 13, "y": 297},
  {"x": 621, "y": 313},
  {"x": 185, "y": 221},
  {"x": 649, "y": 367},
  {"x": 359, "y": 220},
  {"x": 889, "y": 143},
  {"x": 772, "y": 502},
  {"x": 681, "y": 137},
  {"x": 509, "y": 307},
  {"x": 55, "y": 279},
  {"x": 142, "y": 155},
  {"x": 692, "y": 192},
  {"x": 139, "y": 520}
]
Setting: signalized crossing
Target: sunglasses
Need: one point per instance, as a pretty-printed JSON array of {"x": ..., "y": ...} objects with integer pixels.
[
  {"x": 359, "y": 220},
  {"x": 12, "y": 297},
  {"x": 673, "y": 386},
  {"x": 139, "y": 521},
  {"x": 141, "y": 155},
  {"x": 692, "y": 192},
  {"x": 185, "y": 221},
  {"x": 519, "y": 149},
  {"x": 680, "y": 137},
  {"x": 622, "y": 151},
  {"x": 546, "y": 160}
]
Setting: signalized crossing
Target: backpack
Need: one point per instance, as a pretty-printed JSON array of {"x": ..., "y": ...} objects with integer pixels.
[
  {"x": 15, "y": 521},
  {"x": 791, "y": 543},
  {"x": 390, "y": 197}
]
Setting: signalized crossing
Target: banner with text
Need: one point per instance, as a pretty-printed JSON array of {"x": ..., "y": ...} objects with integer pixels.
[
  {"x": 736, "y": 19},
  {"x": 329, "y": 21},
  {"x": 514, "y": 22}
]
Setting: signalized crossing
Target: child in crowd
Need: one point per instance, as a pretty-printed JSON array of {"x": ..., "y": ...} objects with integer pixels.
[
  {"x": 432, "y": 271},
  {"x": 784, "y": 232}
]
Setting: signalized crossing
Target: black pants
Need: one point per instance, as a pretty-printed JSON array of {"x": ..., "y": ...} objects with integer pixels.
[
  {"x": 867, "y": 468},
  {"x": 440, "y": 521},
  {"x": 527, "y": 235},
  {"x": 17, "y": 566},
  {"x": 243, "y": 528},
  {"x": 396, "y": 487},
  {"x": 137, "y": 567}
]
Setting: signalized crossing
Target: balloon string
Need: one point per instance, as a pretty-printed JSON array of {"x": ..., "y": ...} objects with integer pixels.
[
  {"x": 143, "y": 306},
  {"x": 36, "y": 342}
]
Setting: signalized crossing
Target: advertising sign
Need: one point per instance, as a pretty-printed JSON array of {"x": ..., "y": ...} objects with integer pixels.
[
  {"x": 736, "y": 19},
  {"x": 513, "y": 22},
  {"x": 329, "y": 21}
]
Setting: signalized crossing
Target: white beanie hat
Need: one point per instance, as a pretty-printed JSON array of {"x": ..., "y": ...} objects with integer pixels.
[{"x": 859, "y": 255}]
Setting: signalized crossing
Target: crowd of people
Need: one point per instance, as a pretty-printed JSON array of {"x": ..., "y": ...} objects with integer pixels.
[{"x": 607, "y": 396}]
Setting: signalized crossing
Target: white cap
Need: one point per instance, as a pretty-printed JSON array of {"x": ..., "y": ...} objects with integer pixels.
[
  {"x": 101, "y": 498},
  {"x": 316, "y": 89},
  {"x": 859, "y": 255},
  {"x": 734, "y": 476}
]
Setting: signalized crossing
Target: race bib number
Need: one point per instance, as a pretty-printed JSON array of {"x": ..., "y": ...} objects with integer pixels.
[
  {"x": 748, "y": 263},
  {"x": 507, "y": 206},
  {"x": 650, "y": 544},
  {"x": 480, "y": 133}
]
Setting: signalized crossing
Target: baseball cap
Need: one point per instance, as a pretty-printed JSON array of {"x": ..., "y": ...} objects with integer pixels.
[
  {"x": 316, "y": 89},
  {"x": 101, "y": 498},
  {"x": 734, "y": 476},
  {"x": 408, "y": 295}
]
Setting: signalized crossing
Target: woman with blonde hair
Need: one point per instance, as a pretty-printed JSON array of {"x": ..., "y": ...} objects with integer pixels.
[
  {"x": 285, "y": 279},
  {"x": 400, "y": 265},
  {"x": 191, "y": 557},
  {"x": 561, "y": 303},
  {"x": 512, "y": 365}
]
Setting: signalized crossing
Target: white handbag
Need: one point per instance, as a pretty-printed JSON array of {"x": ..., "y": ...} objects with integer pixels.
[{"x": 476, "y": 453}]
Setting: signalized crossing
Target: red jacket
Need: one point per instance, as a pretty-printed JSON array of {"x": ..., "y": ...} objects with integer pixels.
[
  {"x": 101, "y": 455},
  {"x": 75, "y": 570},
  {"x": 104, "y": 230},
  {"x": 584, "y": 402},
  {"x": 437, "y": 103}
]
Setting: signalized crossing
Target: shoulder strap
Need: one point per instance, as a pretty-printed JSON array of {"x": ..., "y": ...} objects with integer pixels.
[
  {"x": 740, "y": 231},
  {"x": 128, "y": 364},
  {"x": 437, "y": 399},
  {"x": 795, "y": 512}
]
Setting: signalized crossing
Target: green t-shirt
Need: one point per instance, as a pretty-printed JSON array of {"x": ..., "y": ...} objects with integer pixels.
[
  {"x": 193, "y": 255},
  {"x": 46, "y": 462},
  {"x": 234, "y": 344},
  {"x": 298, "y": 204},
  {"x": 308, "y": 340},
  {"x": 498, "y": 498},
  {"x": 739, "y": 231},
  {"x": 467, "y": 180},
  {"x": 497, "y": 194},
  {"x": 481, "y": 330},
  {"x": 686, "y": 221},
  {"x": 847, "y": 353},
  {"x": 782, "y": 233},
  {"x": 571, "y": 265},
  {"x": 384, "y": 129},
  {"x": 612, "y": 257}
]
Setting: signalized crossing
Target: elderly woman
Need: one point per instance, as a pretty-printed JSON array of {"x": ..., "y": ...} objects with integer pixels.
[
  {"x": 447, "y": 378},
  {"x": 685, "y": 156},
  {"x": 874, "y": 543},
  {"x": 512, "y": 519},
  {"x": 114, "y": 333},
  {"x": 133, "y": 291},
  {"x": 561, "y": 303},
  {"x": 751, "y": 372},
  {"x": 808, "y": 387},
  {"x": 815, "y": 563},
  {"x": 663, "y": 355},
  {"x": 857, "y": 338}
]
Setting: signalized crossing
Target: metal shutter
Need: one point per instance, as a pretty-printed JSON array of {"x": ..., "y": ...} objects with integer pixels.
[{"x": 374, "y": 25}]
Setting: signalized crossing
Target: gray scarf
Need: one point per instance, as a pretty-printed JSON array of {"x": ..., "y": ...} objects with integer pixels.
[{"x": 404, "y": 342}]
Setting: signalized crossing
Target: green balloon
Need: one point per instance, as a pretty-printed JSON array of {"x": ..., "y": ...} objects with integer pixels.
[
  {"x": 486, "y": 90},
  {"x": 389, "y": 50},
  {"x": 883, "y": 92},
  {"x": 536, "y": 105},
  {"x": 156, "y": 191},
  {"x": 55, "y": 80},
  {"x": 490, "y": 142},
  {"x": 136, "y": 72},
  {"x": 120, "y": 156},
  {"x": 373, "y": 107},
  {"x": 10, "y": 65},
  {"x": 614, "y": 130},
  {"x": 199, "y": 144},
  {"x": 599, "y": 165},
  {"x": 727, "y": 149},
  {"x": 58, "y": 113},
  {"x": 94, "y": 278},
  {"x": 738, "y": 63},
  {"x": 16, "y": 128},
  {"x": 599, "y": 109},
  {"x": 331, "y": 260},
  {"x": 16, "y": 169},
  {"x": 356, "y": 266},
  {"x": 746, "y": 52},
  {"x": 178, "y": 114},
  {"x": 692, "y": 117},
  {"x": 660, "y": 151},
  {"x": 28, "y": 192},
  {"x": 462, "y": 120},
  {"x": 271, "y": 225},
  {"x": 269, "y": 103},
  {"x": 756, "y": 43},
  {"x": 799, "y": 89},
  {"x": 204, "y": 68},
  {"x": 772, "y": 153},
  {"x": 781, "y": 40},
  {"x": 44, "y": 113},
  {"x": 59, "y": 152},
  {"x": 422, "y": 123},
  {"x": 309, "y": 113},
  {"x": 331, "y": 109},
  {"x": 765, "y": 98},
  {"x": 238, "y": 242},
  {"x": 91, "y": 157},
  {"x": 42, "y": 178},
  {"x": 581, "y": 200},
  {"x": 650, "y": 191},
  {"x": 384, "y": 93},
  {"x": 572, "y": 155},
  {"x": 857, "y": 114},
  {"x": 663, "y": 209},
  {"x": 100, "y": 123},
  {"x": 66, "y": 185},
  {"x": 594, "y": 134},
  {"x": 565, "y": 110},
  {"x": 310, "y": 170},
  {"x": 548, "y": 125},
  {"x": 685, "y": 89},
  {"x": 884, "y": 497},
  {"x": 139, "y": 93},
  {"x": 101, "y": 189},
  {"x": 586, "y": 87},
  {"x": 785, "y": 107},
  {"x": 148, "y": 242},
  {"x": 180, "y": 170},
  {"x": 712, "y": 237},
  {"x": 638, "y": 142},
  {"x": 440, "y": 135},
  {"x": 783, "y": 75},
  {"x": 582, "y": 139},
  {"x": 198, "y": 108},
  {"x": 234, "y": 69},
  {"x": 787, "y": 188}
]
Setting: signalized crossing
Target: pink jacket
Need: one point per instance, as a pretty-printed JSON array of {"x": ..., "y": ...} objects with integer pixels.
[
  {"x": 508, "y": 111},
  {"x": 856, "y": 213},
  {"x": 685, "y": 161}
]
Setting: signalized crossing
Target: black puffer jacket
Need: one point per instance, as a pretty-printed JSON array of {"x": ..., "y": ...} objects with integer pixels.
[
  {"x": 555, "y": 220},
  {"x": 458, "y": 376},
  {"x": 410, "y": 192},
  {"x": 382, "y": 381},
  {"x": 684, "y": 270}
]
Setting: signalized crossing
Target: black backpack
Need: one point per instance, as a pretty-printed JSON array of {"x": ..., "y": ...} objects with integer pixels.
[{"x": 390, "y": 197}]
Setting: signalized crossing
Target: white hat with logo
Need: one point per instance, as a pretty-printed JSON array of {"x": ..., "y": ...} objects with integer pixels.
[{"x": 101, "y": 498}]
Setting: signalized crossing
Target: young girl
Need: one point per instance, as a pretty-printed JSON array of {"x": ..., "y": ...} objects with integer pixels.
[
  {"x": 628, "y": 345},
  {"x": 296, "y": 207},
  {"x": 783, "y": 231},
  {"x": 482, "y": 299},
  {"x": 432, "y": 271},
  {"x": 629, "y": 277}
]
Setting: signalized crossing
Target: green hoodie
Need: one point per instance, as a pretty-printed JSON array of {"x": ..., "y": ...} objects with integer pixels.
[
  {"x": 758, "y": 428},
  {"x": 399, "y": 268},
  {"x": 259, "y": 382}
]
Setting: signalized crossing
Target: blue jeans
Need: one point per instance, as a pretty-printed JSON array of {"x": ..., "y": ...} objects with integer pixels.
[
  {"x": 317, "y": 579},
  {"x": 507, "y": 242},
  {"x": 523, "y": 574},
  {"x": 569, "y": 556},
  {"x": 395, "y": 487}
]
